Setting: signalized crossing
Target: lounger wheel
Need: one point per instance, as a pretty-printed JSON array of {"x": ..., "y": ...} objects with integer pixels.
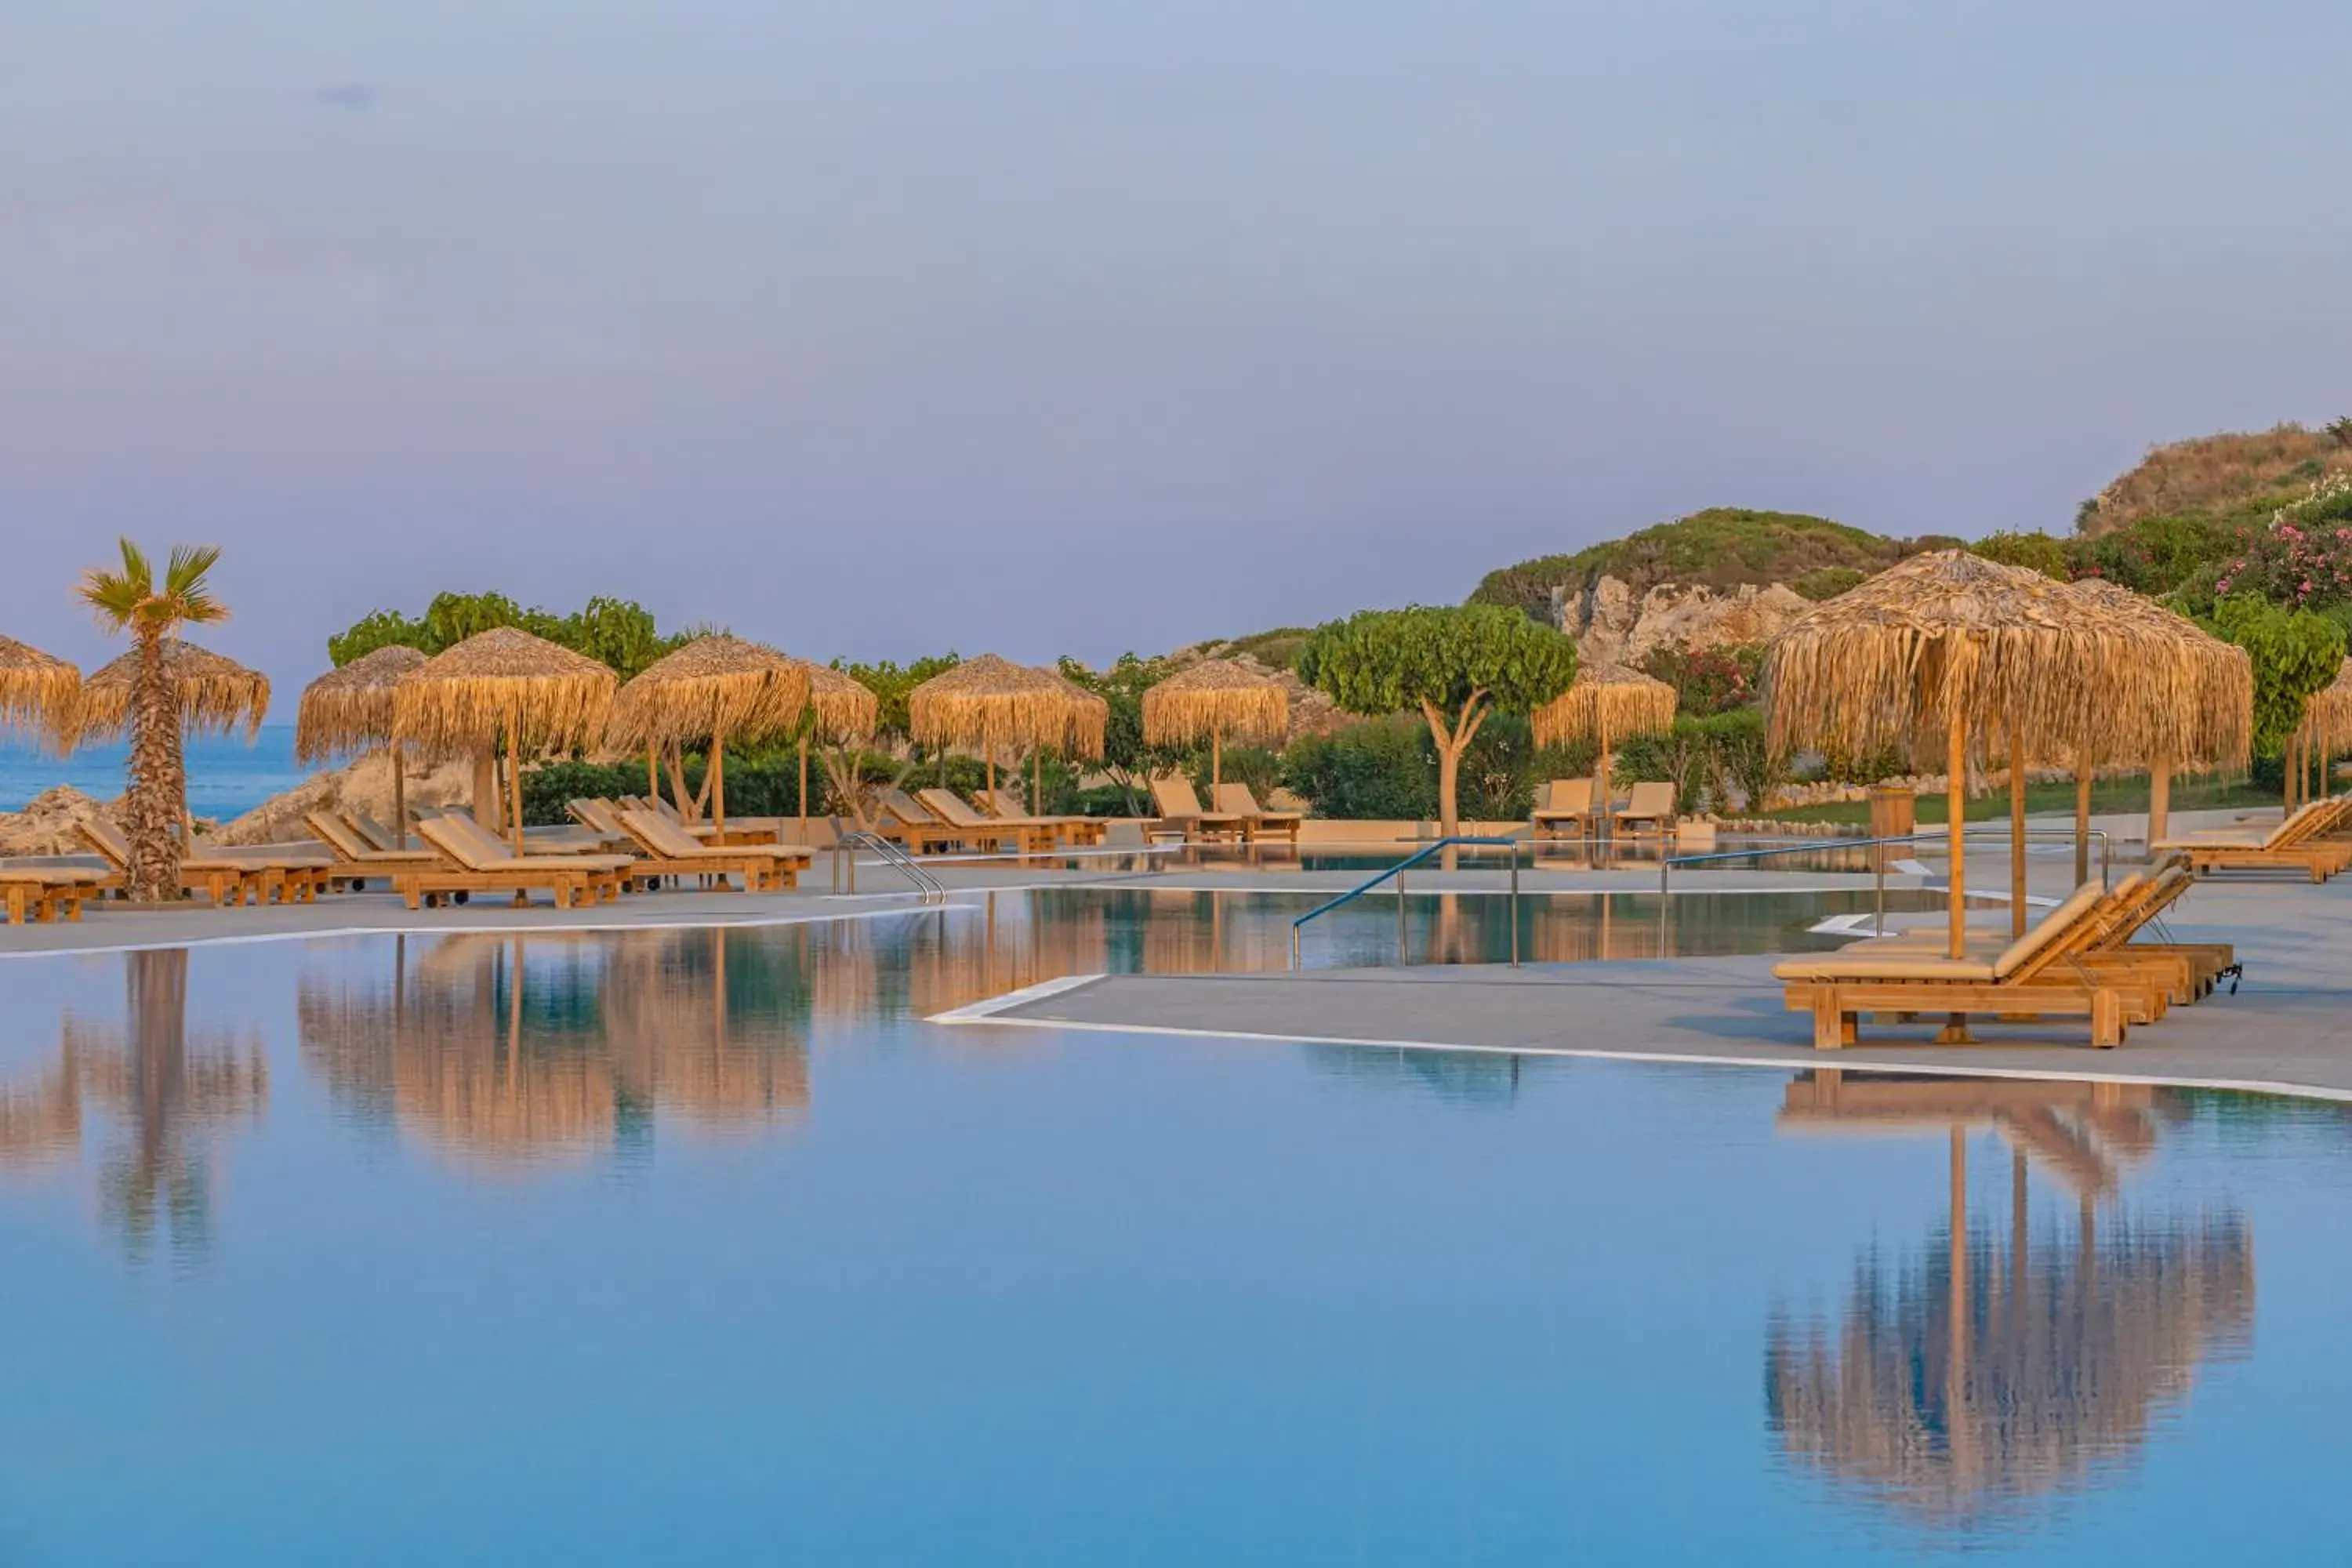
[{"x": 462, "y": 896}]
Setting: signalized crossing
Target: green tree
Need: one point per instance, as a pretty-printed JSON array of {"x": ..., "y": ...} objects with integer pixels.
[
  {"x": 131, "y": 600},
  {"x": 2036, "y": 551},
  {"x": 2294, "y": 653},
  {"x": 1454, "y": 666},
  {"x": 379, "y": 628},
  {"x": 1127, "y": 758}
]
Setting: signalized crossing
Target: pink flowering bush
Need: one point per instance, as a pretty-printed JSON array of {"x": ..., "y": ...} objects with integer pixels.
[{"x": 2303, "y": 558}]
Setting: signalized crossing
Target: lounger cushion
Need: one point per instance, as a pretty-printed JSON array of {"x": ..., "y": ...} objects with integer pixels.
[{"x": 1889, "y": 966}]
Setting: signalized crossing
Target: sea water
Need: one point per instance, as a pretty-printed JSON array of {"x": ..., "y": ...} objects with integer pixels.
[{"x": 226, "y": 777}]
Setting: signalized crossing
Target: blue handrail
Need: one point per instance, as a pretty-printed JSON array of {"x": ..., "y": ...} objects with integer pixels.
[{"x": 1397, "y": 870}]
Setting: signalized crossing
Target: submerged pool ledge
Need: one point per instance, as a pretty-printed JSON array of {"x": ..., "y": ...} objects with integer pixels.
[{"x": 2281, "y": 1038}]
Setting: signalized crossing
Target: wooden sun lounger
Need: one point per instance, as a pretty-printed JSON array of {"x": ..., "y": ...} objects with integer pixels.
[
  {"x": 1652, "y": 804},
  {"x": 1235, "y": 800},
  {"x": 2031, "y": 978},
  {"x": 898, "y": 818},
  {"x": 1034, "y": 835},
  {"x": 1564, "y": 802},
  {"x": 250, "y": 878},
  {"x": 46, "y": 892},
  {"x": 2294, "y": 845},
  {"x": 472, "y": 864},
  {"x": 1180, "y": 809},
  {"x": 2153, "y": 976},
  {"x": 1070, "y": 830},
  {"x": 667, "y": 850},
  {"x": 356, "y": 861}
]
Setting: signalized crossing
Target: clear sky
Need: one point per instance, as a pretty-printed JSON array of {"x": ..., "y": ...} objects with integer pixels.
[{"x": 1071, "y": 325}]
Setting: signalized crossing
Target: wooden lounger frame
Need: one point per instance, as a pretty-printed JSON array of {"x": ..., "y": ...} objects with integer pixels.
[
  {"x": 2035, "y": 977},
  {"x": 665, "y": 849},
  {"x": 2298, "y": 843},
  {"x": 569, "y": 880},
  {"x": 1071, "y": 831},
  {"x": 1256, "y": 821},
  {"x": 1034, "y": 835},
  {"x": 1544, "y": 820}
]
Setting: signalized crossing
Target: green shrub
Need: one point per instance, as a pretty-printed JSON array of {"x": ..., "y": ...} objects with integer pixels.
[
  {"x": 1828, "y": 581},
  {"x": 1382, "y": 768},
  {"x": 2034, "y": 551}
]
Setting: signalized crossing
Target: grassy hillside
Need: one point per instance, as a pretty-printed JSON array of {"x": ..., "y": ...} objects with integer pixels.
[
  {"x": 1722, "y": 547},
  {"x": 2250, "y": 471}
]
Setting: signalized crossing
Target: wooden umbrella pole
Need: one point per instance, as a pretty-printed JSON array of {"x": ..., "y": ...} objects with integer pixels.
[
  {"x": 719, "y": 782},
  {"x": 992, "y": 776},
  {"x": 653, "y": 773},
  {"x": 1599, "y": 804},
  {"x": 1216, "y": 765},
  {"x": 2160, "y": 802},
  {"x": 2082, "y": 820},
  {"x": 1956, "y": 787},
  {"x": 2016, "y": 834},
  {"x": 1037, "y": 780},
  {"x": 399, "y": 795},
  {"x": 514, "y": 779},
  {"x": 804, "y": 786}
]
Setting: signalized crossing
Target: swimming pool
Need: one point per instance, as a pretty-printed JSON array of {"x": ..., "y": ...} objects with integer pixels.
[{"x": 686, "y": 1245}]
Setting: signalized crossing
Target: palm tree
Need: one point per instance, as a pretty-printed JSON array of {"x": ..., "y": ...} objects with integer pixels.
[{"x": 131, "y": 601}]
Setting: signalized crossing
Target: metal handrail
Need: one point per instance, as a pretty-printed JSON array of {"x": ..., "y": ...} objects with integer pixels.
[
  {"x": 1397, "y": 873},
  {"x": 891, "y": 854},
  {"x": 1878, "y": 863}
]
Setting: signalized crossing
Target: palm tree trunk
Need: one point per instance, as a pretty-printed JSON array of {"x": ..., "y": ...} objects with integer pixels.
[{"x": 158, "y": 799}]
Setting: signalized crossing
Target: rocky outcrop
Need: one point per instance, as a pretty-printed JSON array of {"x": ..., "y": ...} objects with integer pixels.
[
  {"x": 50, "y": 822},
  {"x": 1311, "y": 713},
  {"x": 365, "y": 786},
  {"x": 1612, "y": 625}
]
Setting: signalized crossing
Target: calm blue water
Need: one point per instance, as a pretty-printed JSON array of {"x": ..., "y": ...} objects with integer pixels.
[
  {"x": 658, "y": 1248},
  {"x": 225, "y": 776}
]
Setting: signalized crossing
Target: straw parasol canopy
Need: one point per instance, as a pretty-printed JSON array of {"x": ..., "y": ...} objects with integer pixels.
[
  {"x": 351, "y": 708},
  {"x": 216, "y": 694},
  {"x": 1950, "y": 651},
  {"x": 1217, "y": 697},
  {"x": 2331, "y": 705},
  {"x": 505, "y": 683},
  {"x": 2208, "y": 718},
  {"x": 845, "y": 709},
  {"x": 1609, "y": 702},
  {"x": 37, "y": 691},
  {"x": 1089, "y": 717},
  {"x": 1606, "y": 699},
  {"x": 989, "y": 702},
  {"x": 714, "y": 687}
]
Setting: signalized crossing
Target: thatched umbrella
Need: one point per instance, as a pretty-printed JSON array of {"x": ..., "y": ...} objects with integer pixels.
[
  {"x": 351, "y": 708},
  {"x": 989, "y": 703},
  {"x": 1217, "y": 697},
  {"x": 505, "y": 683},
  {"x": 1950, "y": 647},
  {"x": 2208, "y": 724},
  {"x": 1088, "y": 732},
  {"x": 840, "y": 711},
  {"x": 714, "y": 687},
  {"x": 2327, "y": 714},
  {"x": 1606, "y": 701},
  {"x": 37, "y": 692},
  {"x": 216, "y": 695}
]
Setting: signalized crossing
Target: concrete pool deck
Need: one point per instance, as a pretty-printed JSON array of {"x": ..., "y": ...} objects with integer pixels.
[{"x": 2287, "y": 1030}]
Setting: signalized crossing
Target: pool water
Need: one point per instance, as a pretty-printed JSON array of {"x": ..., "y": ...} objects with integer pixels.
[{"x": 685, "y": 1246}]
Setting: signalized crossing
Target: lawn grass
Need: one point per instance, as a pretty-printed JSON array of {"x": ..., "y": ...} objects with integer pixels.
[{"x": 2125, "y": 795}]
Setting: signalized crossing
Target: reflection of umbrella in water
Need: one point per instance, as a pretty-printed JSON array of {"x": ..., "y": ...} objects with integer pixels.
[{"x": 1963, "y": 1382}]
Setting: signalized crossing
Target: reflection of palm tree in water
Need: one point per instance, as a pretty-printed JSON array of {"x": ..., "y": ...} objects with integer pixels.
[
  {"x": 166, "y": 1091},
  {"x": 1964, "y": 1380}
]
